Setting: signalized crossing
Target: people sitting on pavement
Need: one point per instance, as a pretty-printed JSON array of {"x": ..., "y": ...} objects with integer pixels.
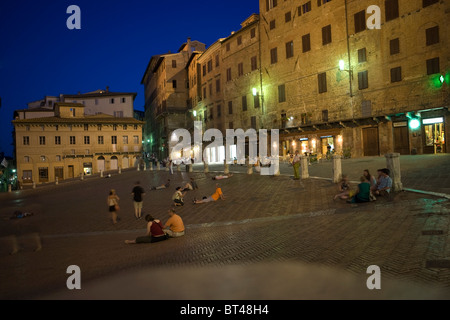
[
  {"x": 178, "y": 197},
  {"x": 384, "y": 183},
  {"x": 222, "y": 177},
  {"x": 362, "y": 193},
  {"x": 21, "y": 215},
  {"x": 164, "y": 186},
  {"x": 373, "y": 184},
  {"x": 174, "y": 227},
  {"x": 344, "y": 189},
  {"x": 154, "y": 234},
  {"x": 190, "y": 186},
  {"x": 218, "y": 194}
]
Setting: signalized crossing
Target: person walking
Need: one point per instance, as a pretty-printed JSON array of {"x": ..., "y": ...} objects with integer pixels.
[
  {"x": 174, "y": 227},
  {"x": 296, "y": 165},
  {"x": 138, "y": 193},
  {"x": 154, "y": 234},
  {"x": 113, "y": 204}
]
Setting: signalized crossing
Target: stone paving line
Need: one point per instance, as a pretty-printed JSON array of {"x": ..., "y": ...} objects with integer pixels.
[{"x": 280, "y": 221}]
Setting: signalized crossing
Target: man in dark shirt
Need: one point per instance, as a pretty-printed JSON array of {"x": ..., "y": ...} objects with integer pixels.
[{"x": 137, "y": 193}]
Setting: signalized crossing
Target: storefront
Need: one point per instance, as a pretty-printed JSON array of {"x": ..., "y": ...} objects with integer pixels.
[{"x": 434, "y": 135}]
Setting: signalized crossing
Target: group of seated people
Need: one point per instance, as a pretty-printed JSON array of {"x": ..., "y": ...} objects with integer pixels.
[
  {"x": 156, "y": 231},
  {"x": 368, "y": 188}
]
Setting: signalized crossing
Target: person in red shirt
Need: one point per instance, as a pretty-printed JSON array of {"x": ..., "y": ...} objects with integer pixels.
[{"x": 154, "y": 234}]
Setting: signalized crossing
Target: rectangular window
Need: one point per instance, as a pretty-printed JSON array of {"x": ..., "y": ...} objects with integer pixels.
[
  {"x": 125, "y": 127},
  {"x": 204, "y": 92},
  {"x": 306, "y": 42},
  {"x": 240, "y": 69},
  {"x": 125, "y": 139},
  {"x": 396, "y": 74},
  {"x": 244, "y": 103},
  {"x": 426, "y": 3},
  {"x": 112, "y": 101},
  {"x": 363, "y": 80},
  {"x": 219, "y": 111},
  {"x": 239, "y": 40},
  {"x": 174, "y": 84},
  {"x": 287, "y": 16},
  {"x": 391, "y": 10},
  {"x": 322, "y": 78},
  {"x": 362, "y": 55},
  {"x": 174, "y": 63},
  {"x": 115, "y": 127},
  {"x": 272, "y": 25},
  {"x": 72, "y": 140},
  {"x": 230, "y": 107},
  {"x": 87, "y": 140},
  {"x": 270, "y": 4},
  {"x": 325, "y": 115},
  {"x": 114, "y": 140},
  {"x": 118, "y": 114},
  {"x": 256, "y": 101},
  {"x": 101, "y": 140},
  {"x": 254, "y": 63},
  {"x": 210, "y": 89},
  {"x": 135, "y": 139},
  {"x": 26, "y": 141},
  {"x": 253, "y": 123},
  {"x": 289, "y": 49},
  {"x": 99, "y": 127},
  {"x": 42, "y": 141},
  {"x": 307, "y": 7},
  {"x": 282, "y": 93},
  {"x": 273, "y": 56},
  {"x": 228, "y": 46},
  {"x": 229, "y": 74},
  {"x": 26, "y": 159},
  {"x": 360, "y": 21},
  {"x": 433, "y": 66},
  {"x": 326, "y": 35},
  {"x": 27, "y": 175},
  {"x": 217, "y": 85},
  {"x": 432, "y": 35},
  {"x": 252, "y": 33},
  {"x": 210, "y": 66},
  {"x": 58, "y": 141},
  {"x": 394, "y": 46},
  {"x": 217, "y": 61},
  {"x": 204, "y": 70},
  {"x": 86, "y": 127},
  {"x": 123, "y": 100}
]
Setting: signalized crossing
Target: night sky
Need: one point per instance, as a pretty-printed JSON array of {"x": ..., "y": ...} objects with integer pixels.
[{"x": 40, "y": 56}]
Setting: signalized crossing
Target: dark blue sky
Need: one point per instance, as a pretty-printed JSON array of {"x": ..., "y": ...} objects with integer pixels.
[{"x": 40, "y": 56}]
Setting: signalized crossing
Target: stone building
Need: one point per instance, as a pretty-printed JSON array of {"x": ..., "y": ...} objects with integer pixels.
[
  {"x": 328, "y": 80},
  {"x": 70, "y": 144},
  {"x": 166, "y": 97}
]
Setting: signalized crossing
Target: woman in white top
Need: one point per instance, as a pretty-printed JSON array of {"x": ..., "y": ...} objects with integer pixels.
[{"x": 113, "y": 204}]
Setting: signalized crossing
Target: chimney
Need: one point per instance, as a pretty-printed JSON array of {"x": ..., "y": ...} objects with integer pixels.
[
  {"x": 107, "y": 88},
  {"x": 189, "y": 46}
]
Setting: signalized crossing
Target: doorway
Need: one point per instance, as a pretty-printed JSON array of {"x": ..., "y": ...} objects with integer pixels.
[
  {"x": 401, "y": 140},
  {"x": 371, "y": 142},
  {"x": 434, "y": 137}
]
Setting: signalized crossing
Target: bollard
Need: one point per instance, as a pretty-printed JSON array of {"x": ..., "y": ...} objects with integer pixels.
[
  {"x": 393, "y": 164},
  {"x": 276, "y": 167},
  {"x": 304, "y": 167},
  {"x": 191, "y": 167},
  {"x": 9, "y": 188},
  {"x": 120, "y": 170},
  {"x": 158, "y": 166},
  {"x": 138, "y": 167},
  {"x": 151, "y": 166},
  {"x": 34, "y": 185},
  {"x": 227, "y": 167},
  {"x": 337, "y": 168},
  {"x": 56, "y": 180},
  {"x": 206, "y": 168},
  {"x": 101, "y": 173},
  {"x": 82, "y": 176}
]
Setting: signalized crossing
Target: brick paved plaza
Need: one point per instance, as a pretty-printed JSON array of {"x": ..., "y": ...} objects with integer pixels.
[{"x": 272, "y": 238}]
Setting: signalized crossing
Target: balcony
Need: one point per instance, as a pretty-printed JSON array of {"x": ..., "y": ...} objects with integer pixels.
[{"x": 106, "y": 150}]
